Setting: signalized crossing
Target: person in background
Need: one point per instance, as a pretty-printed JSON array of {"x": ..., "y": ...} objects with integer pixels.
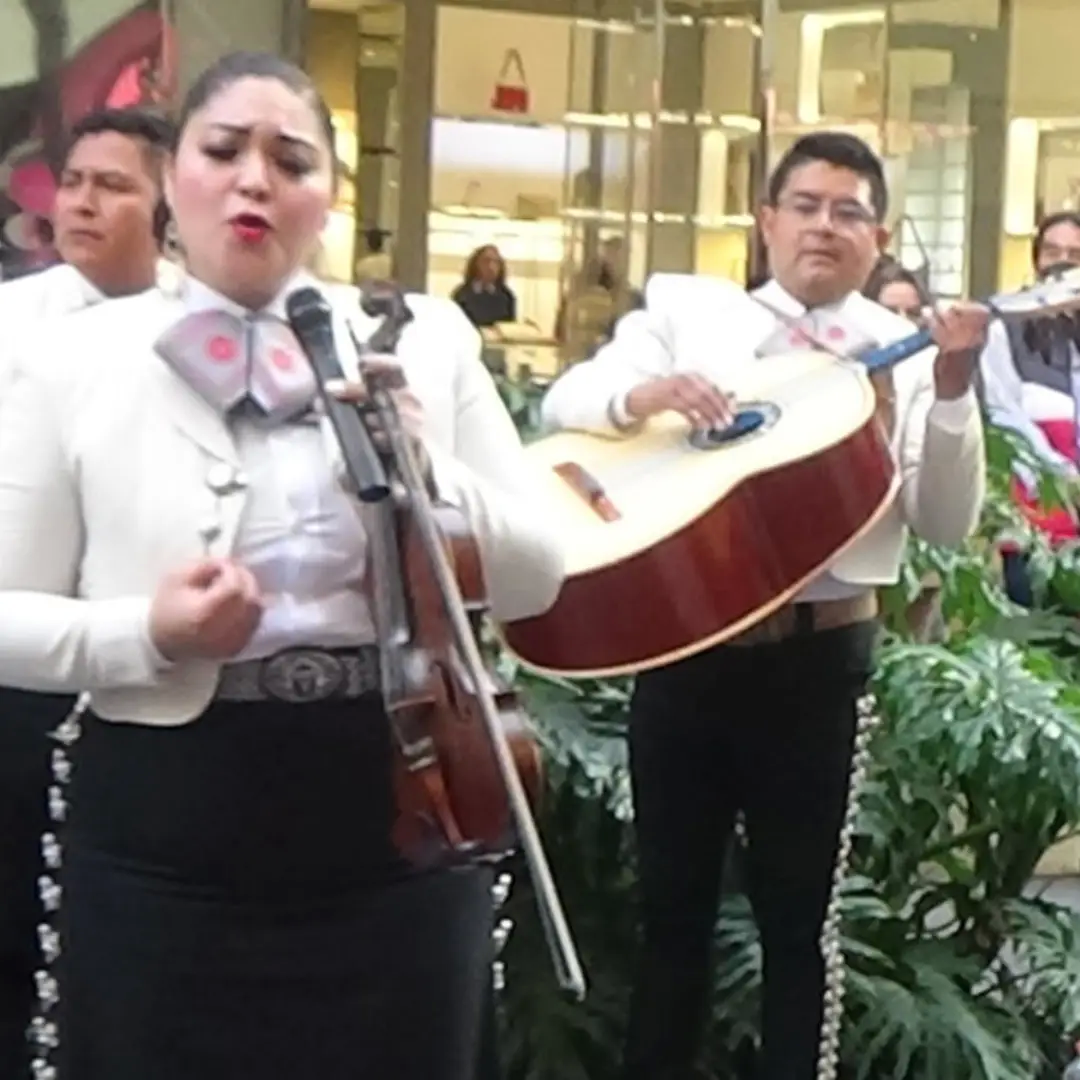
[
  {"x": 898, "y": 289},
  {"x": 376, "y": 265},
  {"x": 597, "y": 298},
  {"x": 484, "y": 295},
  {"x": 109, "y": 221},
  {"x": 1030, "y": 387}
]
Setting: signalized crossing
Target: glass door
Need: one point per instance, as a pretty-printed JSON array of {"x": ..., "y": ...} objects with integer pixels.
[{"x": 663, "y": 142}]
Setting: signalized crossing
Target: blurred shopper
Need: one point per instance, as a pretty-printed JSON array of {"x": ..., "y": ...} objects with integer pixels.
[
  {"x": 483, "y": 294},
  {"x": 898, "y": 289}
]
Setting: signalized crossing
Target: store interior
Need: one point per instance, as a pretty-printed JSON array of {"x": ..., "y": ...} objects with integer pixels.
[{"x": 550, "y": 133}]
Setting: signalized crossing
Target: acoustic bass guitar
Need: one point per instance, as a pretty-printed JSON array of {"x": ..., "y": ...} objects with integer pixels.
[{"x": 678, "y": 539}]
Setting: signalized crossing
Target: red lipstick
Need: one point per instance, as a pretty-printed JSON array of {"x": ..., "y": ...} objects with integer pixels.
[{"x": 250, "y": 228}]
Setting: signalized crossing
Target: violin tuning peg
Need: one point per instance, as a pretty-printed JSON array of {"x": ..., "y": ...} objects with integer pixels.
[{"x": 498, "y": 976}]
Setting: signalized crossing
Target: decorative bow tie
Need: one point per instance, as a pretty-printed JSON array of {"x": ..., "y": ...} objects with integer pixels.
[
  {"x": 231, "y": 361},
  {"x": 839, "y": 336},
  {"x": 816, "y": 326}
]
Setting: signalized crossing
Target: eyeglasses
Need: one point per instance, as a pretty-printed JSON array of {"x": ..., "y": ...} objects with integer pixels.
[
  {"x": 845, "y": 215},
  {"x": 1055, "y": 253}
]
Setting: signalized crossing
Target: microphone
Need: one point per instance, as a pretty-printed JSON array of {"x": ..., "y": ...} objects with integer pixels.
[{"x": 311, "y": 319}]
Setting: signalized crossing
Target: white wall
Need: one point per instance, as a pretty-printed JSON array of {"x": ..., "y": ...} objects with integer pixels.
[
  {"x": 471, "y": 45},
  {"x": 1045, "y": 36}
]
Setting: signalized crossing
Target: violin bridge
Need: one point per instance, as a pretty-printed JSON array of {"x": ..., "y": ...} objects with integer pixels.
[{"x": 584, "y": 484}]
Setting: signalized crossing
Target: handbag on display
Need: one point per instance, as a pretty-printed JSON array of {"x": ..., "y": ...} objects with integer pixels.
[{"x": 511, "y": 94}]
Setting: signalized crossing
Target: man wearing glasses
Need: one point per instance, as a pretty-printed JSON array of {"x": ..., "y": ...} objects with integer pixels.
[{"x": 765, "y": 726}]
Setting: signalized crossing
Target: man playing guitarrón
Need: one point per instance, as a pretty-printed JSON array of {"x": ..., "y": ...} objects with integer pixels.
[{"x": 766, "y": 724}]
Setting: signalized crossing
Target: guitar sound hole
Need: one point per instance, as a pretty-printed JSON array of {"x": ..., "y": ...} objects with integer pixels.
[{"x": 748, "y": 421}]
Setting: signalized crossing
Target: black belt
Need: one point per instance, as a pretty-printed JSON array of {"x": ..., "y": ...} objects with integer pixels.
[{"x": 302, "y": 676}]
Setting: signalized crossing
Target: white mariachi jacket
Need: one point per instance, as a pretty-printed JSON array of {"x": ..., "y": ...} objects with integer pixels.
[{"x": 104, "y": 454}]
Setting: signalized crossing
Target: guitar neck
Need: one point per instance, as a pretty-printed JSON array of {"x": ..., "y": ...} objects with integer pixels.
[{"x": 883, "y": 357}]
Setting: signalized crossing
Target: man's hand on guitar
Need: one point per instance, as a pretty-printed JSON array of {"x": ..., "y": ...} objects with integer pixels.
[
  {"x": 959, "y": 332},
  {"x": 692, "y": 395}
]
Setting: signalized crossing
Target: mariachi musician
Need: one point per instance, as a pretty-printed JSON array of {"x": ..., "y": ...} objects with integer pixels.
[
  {"x": 765, "y": 725},
  {"x": 108, "y": 222},
  {"x": 1029, "y": 383},
  {"x": 176, "y": 539}
]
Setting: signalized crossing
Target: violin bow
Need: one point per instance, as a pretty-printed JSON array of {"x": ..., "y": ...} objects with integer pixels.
[{"x": 560, "y": 940}]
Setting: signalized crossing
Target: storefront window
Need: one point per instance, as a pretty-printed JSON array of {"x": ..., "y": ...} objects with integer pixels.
[
  {"x": 571, "y": 141},
  {"x": 925, "y": 82},
  {"x": 593, "y": 151}
]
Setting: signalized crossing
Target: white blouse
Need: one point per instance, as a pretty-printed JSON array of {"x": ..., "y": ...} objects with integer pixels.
[{"x": 302, "y": 538}]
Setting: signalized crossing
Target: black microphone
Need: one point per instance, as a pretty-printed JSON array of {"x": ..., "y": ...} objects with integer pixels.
[{"x": 311, "y": 319}]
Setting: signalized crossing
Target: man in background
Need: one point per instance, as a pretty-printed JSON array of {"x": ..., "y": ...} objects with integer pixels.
[
  {"x": 765, "y": 724},
  {"x": 109, "y": 223},
  {"x": 1030, "y": 386}
]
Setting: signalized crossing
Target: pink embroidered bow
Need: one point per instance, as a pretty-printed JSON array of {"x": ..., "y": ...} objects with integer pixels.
[
  {"x": 227, "y": 359},
  {"x": 826, "y": 327}
]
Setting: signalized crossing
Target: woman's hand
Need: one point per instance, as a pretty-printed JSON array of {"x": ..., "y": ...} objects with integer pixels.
[
  {"x": 410, "y": 408},
  {"x": 207, "y": 610}
]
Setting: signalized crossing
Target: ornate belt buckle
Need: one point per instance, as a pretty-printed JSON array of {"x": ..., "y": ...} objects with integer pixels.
[{"x": 302, "y": 676}]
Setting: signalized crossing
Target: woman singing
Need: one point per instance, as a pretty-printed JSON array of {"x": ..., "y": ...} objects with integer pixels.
[{"x": 172, "y": 531}]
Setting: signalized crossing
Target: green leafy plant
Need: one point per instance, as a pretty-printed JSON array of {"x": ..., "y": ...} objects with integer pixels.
[{"x": 957, "y": 969}]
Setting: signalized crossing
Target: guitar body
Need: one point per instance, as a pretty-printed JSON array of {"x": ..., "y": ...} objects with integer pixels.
[{"x": 676, "y": 542}]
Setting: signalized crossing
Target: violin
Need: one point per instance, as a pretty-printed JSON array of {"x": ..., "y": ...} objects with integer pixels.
[
  {"x": 467, "y": 771},
  {"x": 452, "y": 801}
]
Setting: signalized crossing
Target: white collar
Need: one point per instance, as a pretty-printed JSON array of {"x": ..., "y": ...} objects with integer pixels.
[
  {"x": 197, "y": 296},
  {"x": 73, "y": 289},
  {"x": 774, "y": 294}
]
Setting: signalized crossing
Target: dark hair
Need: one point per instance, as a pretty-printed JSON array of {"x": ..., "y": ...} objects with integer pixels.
[
  {"x": 472, "y": 267},
  {"x": 375, "y": 238},
  {"x": 153, "y": 130},
  {"x": 235, "y": 66},
  {"x": 889, "y": 272},
  {"x": 151, "y": 127},
  {"x": 841, "y": 150},
  {"x": 1061, "y": 217}
]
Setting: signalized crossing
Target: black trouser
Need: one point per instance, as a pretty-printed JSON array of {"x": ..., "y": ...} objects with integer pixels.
[
  {"x": 25, "y": 721},
  {"x": 768, "y": 730}
]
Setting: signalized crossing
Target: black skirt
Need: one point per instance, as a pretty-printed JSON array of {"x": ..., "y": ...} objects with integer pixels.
[{"x": 234, "y": 910}]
